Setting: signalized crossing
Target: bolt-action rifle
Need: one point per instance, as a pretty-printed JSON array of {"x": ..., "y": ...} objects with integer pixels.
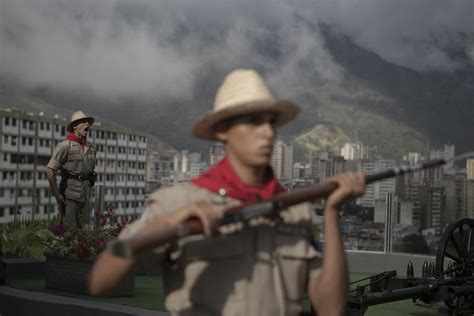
[{"x": 131, "y": 246}]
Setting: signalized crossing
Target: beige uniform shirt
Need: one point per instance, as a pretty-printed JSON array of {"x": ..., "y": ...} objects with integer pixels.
[
  {"x": 260, "y": 269},
  {"x": 68, "y": 158}
]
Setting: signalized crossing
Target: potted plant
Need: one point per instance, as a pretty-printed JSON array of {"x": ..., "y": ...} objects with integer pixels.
[{"x": 70, "y": 254}]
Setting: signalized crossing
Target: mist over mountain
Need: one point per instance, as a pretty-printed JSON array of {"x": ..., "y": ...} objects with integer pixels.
[{"x": 156, "y": 67}]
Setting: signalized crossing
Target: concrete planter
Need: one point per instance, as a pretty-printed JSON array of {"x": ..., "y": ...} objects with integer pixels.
[{"x": 70, "y": 274}]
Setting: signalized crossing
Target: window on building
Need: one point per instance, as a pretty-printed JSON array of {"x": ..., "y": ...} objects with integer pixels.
[
  {"x": 48, "y": 126},
  {"x": 24, "y": 124},
  {"x": 13, "y": 121},
  {"x": 13, "y": 142},
  {"x": 5, "y": 157},
  {"x": 6, "y": 121},
  {"x": 42, "y": 126},
  {"x": 2, "y": 192},
  {"x": 30, "y": 141},
  {"x": 12, "y": 211},
  {"x": 2, "y": 212}
]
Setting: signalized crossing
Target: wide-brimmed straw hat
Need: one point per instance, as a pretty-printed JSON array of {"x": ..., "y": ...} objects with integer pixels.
[
  {"x": 243, "y": 91},
  {"x": 77, "y": 116}
]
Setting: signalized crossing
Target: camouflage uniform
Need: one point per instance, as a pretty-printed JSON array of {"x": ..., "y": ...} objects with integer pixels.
[
  {"x": 262, "y": 269},
  {"x": 67, "y": 158}
]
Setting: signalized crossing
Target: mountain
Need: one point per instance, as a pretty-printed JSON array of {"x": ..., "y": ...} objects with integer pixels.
[
  {"x": 395, "y": 108},
  {"x": 340, "y": 118}
]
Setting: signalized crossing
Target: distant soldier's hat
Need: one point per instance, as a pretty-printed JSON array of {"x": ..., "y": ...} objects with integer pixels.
[
  {"x": 243, "y": 91},
  {"x": 78, "y": 116}
]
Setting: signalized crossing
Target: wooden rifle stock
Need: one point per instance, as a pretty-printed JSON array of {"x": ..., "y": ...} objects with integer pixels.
[{"x": 129, "y": 247}]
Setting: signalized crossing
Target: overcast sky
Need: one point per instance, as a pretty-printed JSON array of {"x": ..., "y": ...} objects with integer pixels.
[{"x": 153, "y": 48}]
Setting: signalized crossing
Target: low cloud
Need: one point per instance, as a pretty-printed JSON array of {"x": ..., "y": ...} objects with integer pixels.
[{"x": 157, "y": 49}]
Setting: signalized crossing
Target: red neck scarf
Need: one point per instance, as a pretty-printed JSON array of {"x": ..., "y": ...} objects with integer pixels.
[
  {"x": 74, "y": 138},
  {"x": 223, "y": 176}
]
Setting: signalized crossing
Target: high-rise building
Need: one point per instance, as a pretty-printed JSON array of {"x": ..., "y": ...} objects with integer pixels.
[
  {"x": 282, "y": 160},
  {"x": 470, "y": 169},
  {"x": 351, "y": 151},
  {"x": 454, "y": 197},
  {"x": 368, "y": 151},
  {"x": 325, "y": 164},
  {"x": 468, "y": 199},
  {"x": 358, "y": 150},
  {"x": 446, "y": 152},
  {"x": 432, "y": 205},
  {"x": 413, "y": 158},
  {"x": 216, "y": 152},
  {"x": 379, "y": 189}
]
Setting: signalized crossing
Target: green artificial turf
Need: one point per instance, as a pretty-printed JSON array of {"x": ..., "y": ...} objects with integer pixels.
[
  {"x": 148, "y": 292},
  {"x": 149, "y": 295}
]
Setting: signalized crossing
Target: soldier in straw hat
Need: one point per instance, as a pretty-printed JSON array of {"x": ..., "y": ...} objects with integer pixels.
[
  {"x": 265, "y": 267},
  {"x": 75, "y": 159}
]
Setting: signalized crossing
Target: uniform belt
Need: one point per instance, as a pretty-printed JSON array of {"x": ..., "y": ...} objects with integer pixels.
[{"x": 80, "y": 177}]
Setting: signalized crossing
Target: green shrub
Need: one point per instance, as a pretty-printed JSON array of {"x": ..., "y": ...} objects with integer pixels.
[{"x": 19, "y": 239}]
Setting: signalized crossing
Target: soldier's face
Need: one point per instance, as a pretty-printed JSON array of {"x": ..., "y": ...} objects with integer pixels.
[
  {"x": 249, "y": 138},
  {"x": 81, "y": 129}
]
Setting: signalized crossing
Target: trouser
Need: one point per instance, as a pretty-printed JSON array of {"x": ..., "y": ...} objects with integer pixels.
[{"x": 77, "y": 214}]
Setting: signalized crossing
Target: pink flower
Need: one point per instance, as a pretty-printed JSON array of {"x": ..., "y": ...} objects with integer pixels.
[{"x": 82, "y": 251}]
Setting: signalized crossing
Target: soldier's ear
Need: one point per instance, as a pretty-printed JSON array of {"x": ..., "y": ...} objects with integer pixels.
[
  {"x": 220, "y": 130},
  {"x": 221, "y": 136}
]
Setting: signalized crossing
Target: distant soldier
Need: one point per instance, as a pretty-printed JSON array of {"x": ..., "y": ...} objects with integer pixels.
[{"x": 75, "y": 158}]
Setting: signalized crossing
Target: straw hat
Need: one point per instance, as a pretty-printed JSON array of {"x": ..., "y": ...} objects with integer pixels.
[
  {"x": 243, "y": 92},
  {"x": 76, "y": 116}
]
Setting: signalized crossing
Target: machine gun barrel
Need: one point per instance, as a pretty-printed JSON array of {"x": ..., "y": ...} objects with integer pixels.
[{"x": 395, "y": 295}]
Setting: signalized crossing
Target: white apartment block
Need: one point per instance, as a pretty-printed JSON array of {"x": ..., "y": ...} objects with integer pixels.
[
  {"x": 356, "y": 151},
  {"x": 377, "y": 190},
  {"x": 282, "y": 160},
  {"x": 27, "y": 142},
  {"x": 350, "y": 151},
  {"x": 413, "y": 158},
  {"x": 470, "y": 169}
]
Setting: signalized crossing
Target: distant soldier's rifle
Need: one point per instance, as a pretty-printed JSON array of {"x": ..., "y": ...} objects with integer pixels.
[{"x": 131, "y": 246}]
